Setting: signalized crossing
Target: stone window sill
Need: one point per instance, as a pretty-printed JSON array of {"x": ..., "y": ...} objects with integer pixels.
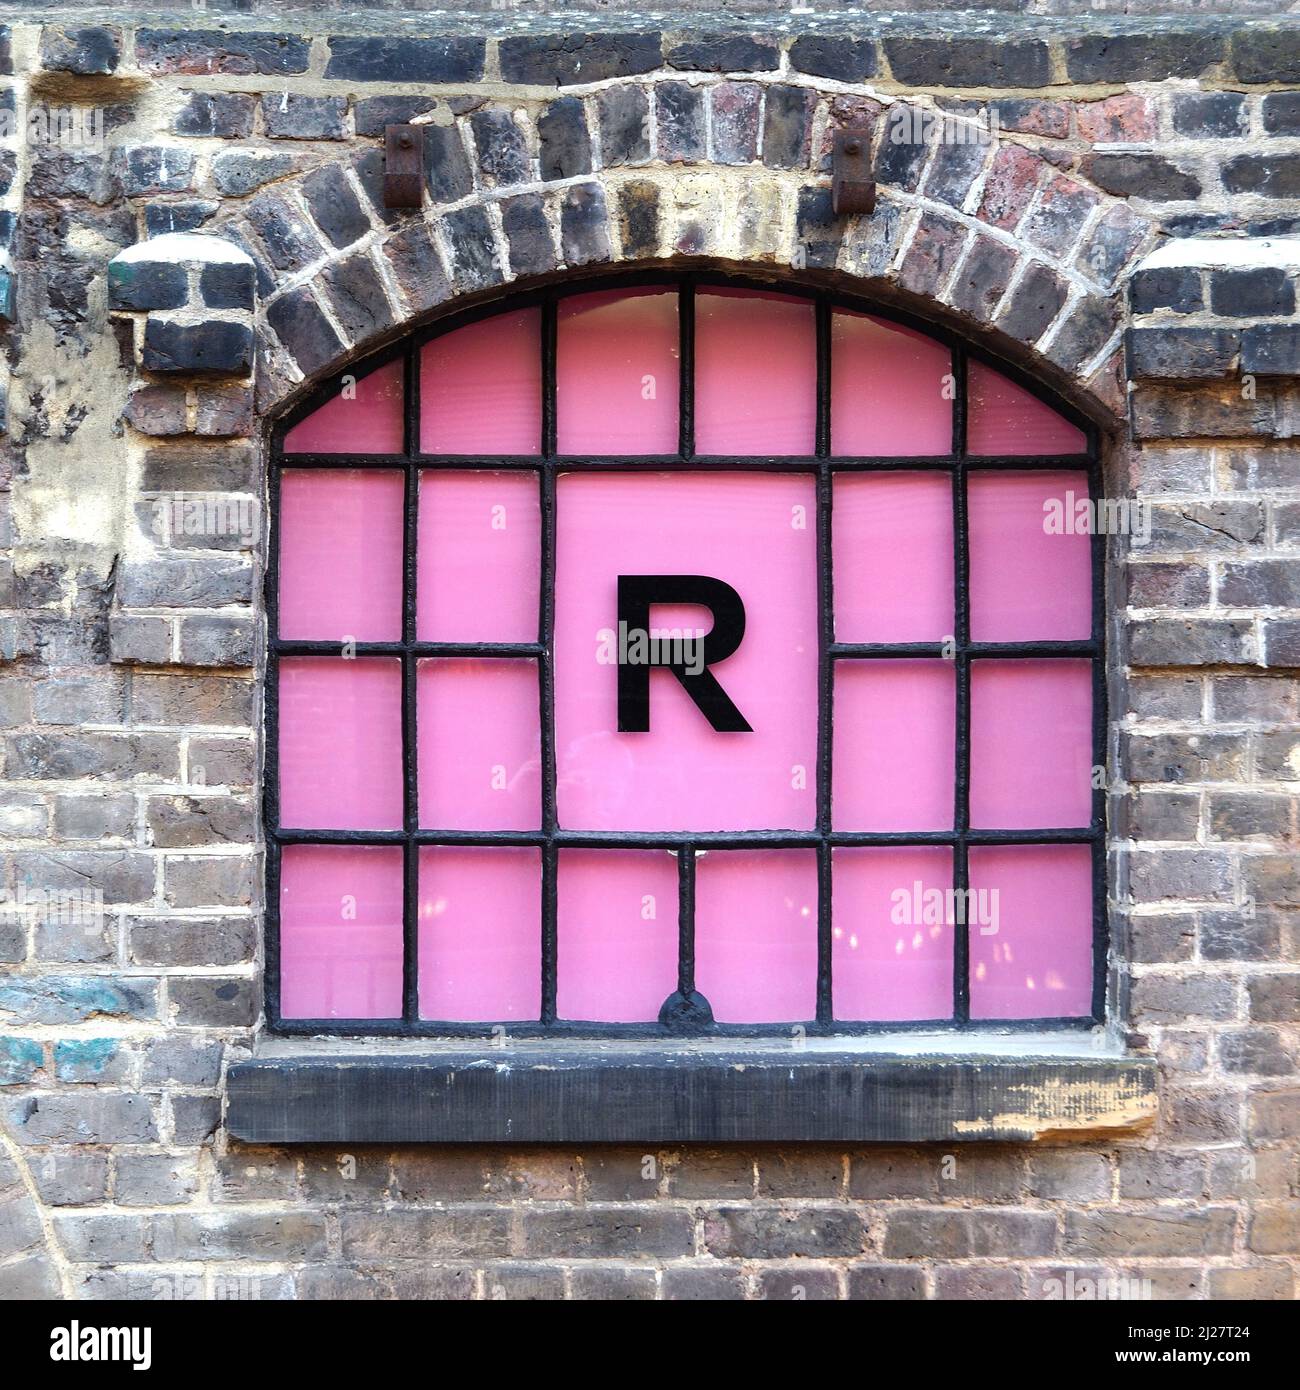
[{"x": 897, "y": 1089}]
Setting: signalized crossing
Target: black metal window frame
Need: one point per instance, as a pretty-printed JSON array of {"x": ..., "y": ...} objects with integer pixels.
[{"x": 685, "y": 1012}]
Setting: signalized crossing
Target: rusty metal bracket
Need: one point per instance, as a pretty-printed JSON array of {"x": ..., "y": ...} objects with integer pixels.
[
  {"x": 852, "y": 187},
  {"x": 403, "y": 165}
]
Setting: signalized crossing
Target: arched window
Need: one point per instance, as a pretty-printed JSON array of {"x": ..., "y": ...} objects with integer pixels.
[{"x": 687, "y": 656}]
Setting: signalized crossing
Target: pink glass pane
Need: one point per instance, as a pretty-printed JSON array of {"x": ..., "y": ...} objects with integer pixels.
[
  {"x": 755, "y": 373},
  {"x": 340, "y": 931},
  {"x": 480, "y": 758},
  {"x": 895, "y": 732},
  {"x": 617, "y": 934},
  {"x": 889, "y": 393},
  {"x": 481, "y": 387},
  {"x": 617, "y": 364},
  {"x": 1029, "y": 579},
  {"x": 1031, "y": 744},
  {"x": 1003, "y": 418},
  {"x": 892, "y": 934},
  {"x": 755, "y": 533},
  {"x": 1032, "y": 955},
  {"x": 366, "y": 417},
  {"x": 340, "y": 743},
  {"x": 480, "y": 955},
  {"x": 756, "y": 935},
  {"x": 893, "y": 557},
  {"x": 341, "y": 555},
  {"x": 479, "y": 557}
]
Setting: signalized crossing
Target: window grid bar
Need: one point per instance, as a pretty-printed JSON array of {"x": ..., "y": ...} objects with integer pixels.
[
  {"x": 546, "y": 663},
  {"x": 550, "y": 839},
  {"x": 825, "y": 1005},
  {"x": 674, "y": 841},
  {"x": 961, "y": 619},
  {"x": 410, "y": 736},
  {"x": 658, "y": 463}
]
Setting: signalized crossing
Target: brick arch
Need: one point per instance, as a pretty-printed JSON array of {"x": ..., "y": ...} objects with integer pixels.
[{"x": 982, "y": 235}]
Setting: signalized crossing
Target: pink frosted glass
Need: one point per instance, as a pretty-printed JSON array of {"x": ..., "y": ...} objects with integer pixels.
[
  {"x": 1038, "y": 961},
  {"x": 895, "y": 732},
  {"x": 755, "y": 373},
  {"x": 340, "y": 743},
  {"x": 341, "y": 555},
  {"x": 1031, "y": 744},
  {"x": 1027, "y": 583},
  {"x": 888, "y": 394},
  {"x": 616, "y": 943},
  {"x": 340, "y": 931},
  {"x": 756, "y": 935},
  {"x": 893, "y": 557},
  {"x": 366, "y": 420},
  {"x": 480, "y": 758},
  {"x": 1003, "y": 418},
  {"x": 755, "y": 533},
  {"x": 481, "y": 387},
  {"x": 616, "y": 373},
  {"x": 480, "y": 952},
  {"x": 479, "y": 556},
  {"x": 891, "y": 938}
]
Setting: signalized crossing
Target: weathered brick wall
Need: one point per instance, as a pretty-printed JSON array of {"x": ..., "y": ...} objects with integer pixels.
[{"x": 129, "y": 685}]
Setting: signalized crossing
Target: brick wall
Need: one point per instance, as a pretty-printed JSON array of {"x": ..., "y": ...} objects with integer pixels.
[{"x": 130, "y": 653}]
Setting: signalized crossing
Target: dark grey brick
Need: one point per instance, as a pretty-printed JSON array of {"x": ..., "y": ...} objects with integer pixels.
[
  {"x": 578, "y": 57},
  {"x": 1142, "y": 176},
  {"x": 679, "y": 113},
  {"x": 1271, "y": 175},
  {"x": 335, "y": 207},
  {"x": 1172, "y": 287},
  {"x": 725, "y": 53},
  {"x": 1209, "y": 115},
  {"x": 1266, "y": 55},
  {"x": 307, "y": 335},
  {"x": 228, "y": 285},
  {"x": 228, "y": 115},
  {"x": 736, "y": 107},
  {"x": 1182, "y": 354},
  {"x": 584, "y": 225},
  {"x": 201, "y": 51},
  {"x": 284, "y": 232},
  {"x": 969, "y": 62},
  {"x": 239, "y": 172},
  {"x": 414, "y": 257},
  {"x": 502, "y": 150},
  {"x": 85, "y": 50},
  {"x": 474, "y": 262},
  {"x": 292, "y": 116},
  {"x": 564, "y": 146},
  {"x": 532, "y": 249},
  {"x": 624, "y": 117},
  {"x": 818, "y": 231},
  {"x": 137, "y": 285},
  {"x": 216, "y": 346},
  {"x": 1034, "y": 303},
  {"x": 843, "y": 60},
  {"x": 1140, "y": 57},
  {"x": 787, "y": 126},
  {"x": 446, "y": 165},
  {"x": 145, "y": 169},
  {"x": 1260, "y": 292},
  {"x": 1281, "y": 111},
  {"x": 638, "y": 218},
  {"x": 406, "y": 60},
  {"x": 1271, "y": 349}
]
